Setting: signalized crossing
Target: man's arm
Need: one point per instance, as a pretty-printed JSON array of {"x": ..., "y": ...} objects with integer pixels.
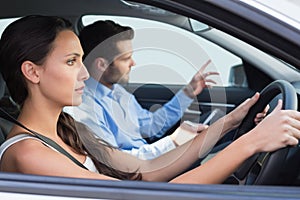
[
  {"x": 154, "y": 150},
  {"x": 101, "y": 129},
  {"x": 155, "y": 124}
]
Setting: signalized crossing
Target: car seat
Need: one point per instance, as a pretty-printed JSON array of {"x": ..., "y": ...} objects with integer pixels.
[{"x": 9, "y": 106}]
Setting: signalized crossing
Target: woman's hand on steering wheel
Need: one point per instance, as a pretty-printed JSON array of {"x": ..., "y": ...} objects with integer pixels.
[
  {"x": 279, "y": 129},
  {"x": 260, "y": 116},
  {"x": 238, "y": 114}
]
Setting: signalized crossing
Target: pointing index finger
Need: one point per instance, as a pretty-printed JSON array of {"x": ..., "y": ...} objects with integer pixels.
[{"x": 204, "y": 66}]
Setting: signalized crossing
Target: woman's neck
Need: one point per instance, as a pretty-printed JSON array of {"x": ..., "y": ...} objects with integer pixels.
[{"x": 40, "y": 118}]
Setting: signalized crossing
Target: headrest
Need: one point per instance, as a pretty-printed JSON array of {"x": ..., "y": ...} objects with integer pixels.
[{"x": 2, "y": 86}]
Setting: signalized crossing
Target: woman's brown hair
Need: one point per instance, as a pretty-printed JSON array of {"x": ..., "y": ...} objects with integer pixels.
[{"x": 31, "y": 38}]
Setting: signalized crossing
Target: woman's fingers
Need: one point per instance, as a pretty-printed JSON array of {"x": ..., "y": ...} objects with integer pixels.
[
  {"x": 248, "y": 103},
  {"x": 287, "y": 125},
  {"x": 260, "y": 116},
  {"x": 293, "y": 120},
  {"x": 294, "y": 127}
]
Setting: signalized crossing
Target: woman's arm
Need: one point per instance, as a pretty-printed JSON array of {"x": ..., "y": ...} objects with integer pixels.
[
  {"x": 28, "y": 156},
  {"x": 31, "y": 156},
  {"x": 172, "y": 163},
  {"x": 264, "y": 137}
]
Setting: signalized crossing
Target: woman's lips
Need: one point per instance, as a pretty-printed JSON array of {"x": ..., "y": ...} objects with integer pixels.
[{"x": 80, "y": 90}]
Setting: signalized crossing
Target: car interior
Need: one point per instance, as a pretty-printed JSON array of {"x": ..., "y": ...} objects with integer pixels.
[
  {"x": 8, "y": 106},
  {"x": 254, "y": 72}
]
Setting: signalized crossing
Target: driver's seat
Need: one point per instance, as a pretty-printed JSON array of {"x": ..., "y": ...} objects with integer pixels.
[{"x": 6, "y": 104}]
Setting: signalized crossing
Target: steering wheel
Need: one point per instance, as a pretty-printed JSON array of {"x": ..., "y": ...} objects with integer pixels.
[{"x": 280, "y": 167}]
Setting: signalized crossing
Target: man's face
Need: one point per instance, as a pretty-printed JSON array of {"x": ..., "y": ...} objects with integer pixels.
[{"x": 118, "y": 71}]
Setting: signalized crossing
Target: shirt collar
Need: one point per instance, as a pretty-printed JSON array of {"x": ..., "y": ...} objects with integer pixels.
[
  {"x": 97, "y": 89},
  {"x": 100, "y": 91}
]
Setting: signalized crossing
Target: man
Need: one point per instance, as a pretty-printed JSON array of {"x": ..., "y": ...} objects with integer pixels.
[{"x": 113, "y": 113}]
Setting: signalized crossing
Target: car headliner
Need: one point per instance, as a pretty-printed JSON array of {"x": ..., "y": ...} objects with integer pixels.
[{"x": 238, "y": 19}]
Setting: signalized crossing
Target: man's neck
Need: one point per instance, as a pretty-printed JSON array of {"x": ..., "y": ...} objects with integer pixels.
[
  {"x": 108, "y": 85},
  {"x": 105, "y": 83}
]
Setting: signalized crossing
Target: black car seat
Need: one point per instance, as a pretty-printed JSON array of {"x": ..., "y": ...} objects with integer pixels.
[
  {"x": 2, "y": 91},
  {"x": 9, "y": 106}
]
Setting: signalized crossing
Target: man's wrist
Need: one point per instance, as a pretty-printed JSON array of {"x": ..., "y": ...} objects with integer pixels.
[
  {"x": 188, "y": 91},
  {"x": 175, "y": 143},
  {"x": 173, "y": 138}
]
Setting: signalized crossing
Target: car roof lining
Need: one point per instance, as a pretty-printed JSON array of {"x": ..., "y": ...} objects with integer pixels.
[
  {"x": 106, "y": 7},
  {"x": 116, "y": 7}
]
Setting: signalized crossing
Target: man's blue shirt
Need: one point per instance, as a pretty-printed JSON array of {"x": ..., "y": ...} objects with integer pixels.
[{"x": 116, "y": 117}]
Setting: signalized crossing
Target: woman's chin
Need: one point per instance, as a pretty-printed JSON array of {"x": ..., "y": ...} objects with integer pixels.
[{"x": 76, "y": 102}]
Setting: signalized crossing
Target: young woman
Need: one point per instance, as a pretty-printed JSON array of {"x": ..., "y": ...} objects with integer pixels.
[{"x": 41, "y": 62}]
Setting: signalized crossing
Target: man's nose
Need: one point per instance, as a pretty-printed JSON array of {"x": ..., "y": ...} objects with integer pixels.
[{"x": 132, "y": 63}]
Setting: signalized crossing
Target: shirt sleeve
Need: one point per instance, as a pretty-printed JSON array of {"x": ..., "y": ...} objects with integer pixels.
[
  {"x": 151, "y": 151},
  {"x": 103, "y": 131},
  {"x": 91, "y": 119},
  {"x": 158, "y": 122}
]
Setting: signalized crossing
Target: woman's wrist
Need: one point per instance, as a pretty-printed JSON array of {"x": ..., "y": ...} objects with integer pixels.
[
  {"x": 231, "y": 121},
  {"x": 226, "y": 124},
  {"x": 246, "y": 145}
]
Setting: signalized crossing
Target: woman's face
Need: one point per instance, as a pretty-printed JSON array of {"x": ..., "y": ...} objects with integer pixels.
[{"x": 63, "y": 73}]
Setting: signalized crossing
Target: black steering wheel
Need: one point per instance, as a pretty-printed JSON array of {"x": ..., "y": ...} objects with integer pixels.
[{"x": 280, "y": 167}]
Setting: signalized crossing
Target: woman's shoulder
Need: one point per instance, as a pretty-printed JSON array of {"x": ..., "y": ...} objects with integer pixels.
[
  {"x": 22, "y": 152},
  {"x": 11, "y": 141}
]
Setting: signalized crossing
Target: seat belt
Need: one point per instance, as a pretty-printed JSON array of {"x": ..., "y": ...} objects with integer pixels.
[{"x": 5, "y": 115}]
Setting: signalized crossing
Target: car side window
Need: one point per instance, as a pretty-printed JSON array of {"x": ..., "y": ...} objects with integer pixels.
[
  {"x": 5, "y": 22},
  {"x": 165, "y": 54}
]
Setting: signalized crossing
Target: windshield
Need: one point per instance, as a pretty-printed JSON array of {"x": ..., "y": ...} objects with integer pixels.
[{"x": 284, "y": 10}]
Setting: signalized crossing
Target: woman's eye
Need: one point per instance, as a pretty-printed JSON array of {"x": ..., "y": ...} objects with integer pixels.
[{"x": 71, "y": 62}]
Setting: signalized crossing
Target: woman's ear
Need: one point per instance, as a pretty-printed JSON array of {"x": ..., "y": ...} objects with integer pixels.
[{"x": 30, "y": 71}]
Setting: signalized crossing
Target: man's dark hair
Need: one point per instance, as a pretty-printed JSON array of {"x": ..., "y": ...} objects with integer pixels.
[{"x": 99, "y": 39}]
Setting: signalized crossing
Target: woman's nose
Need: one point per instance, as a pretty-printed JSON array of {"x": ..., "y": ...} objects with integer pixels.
[{"x": 84, "y": 74}]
